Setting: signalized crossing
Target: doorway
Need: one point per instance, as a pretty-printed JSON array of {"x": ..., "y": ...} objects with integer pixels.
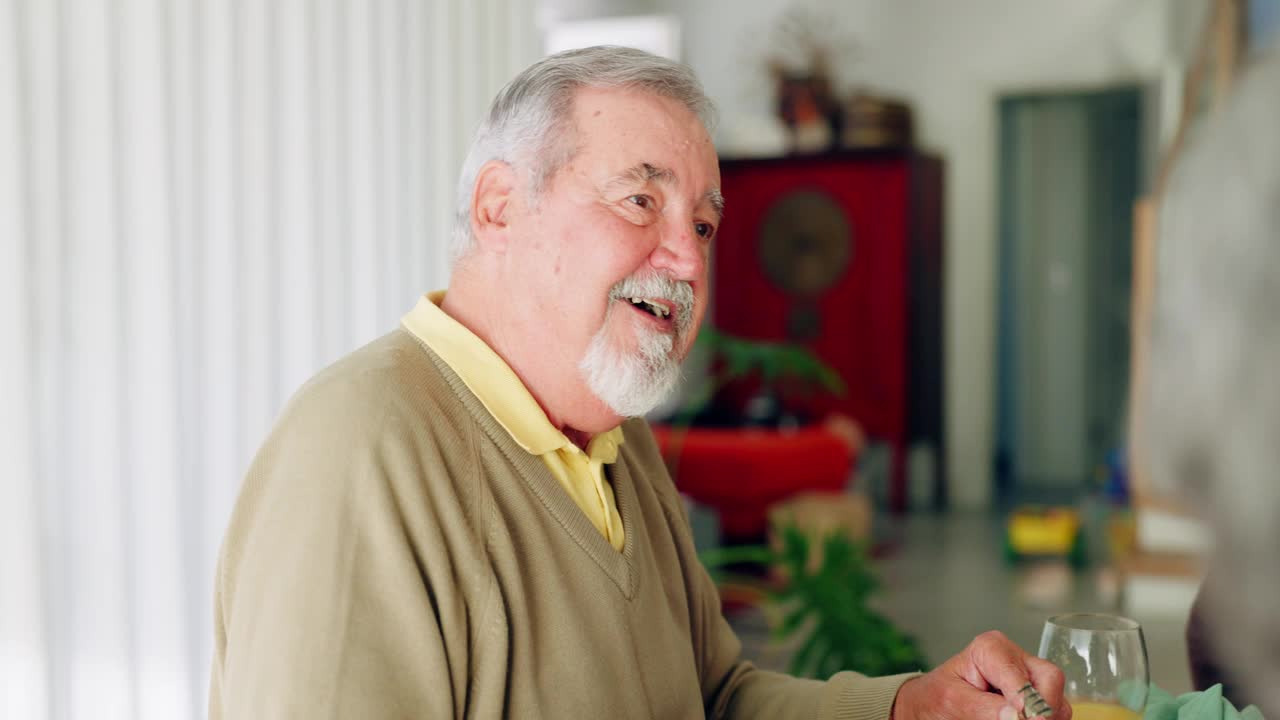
[{"x": 1069, "y": 174}]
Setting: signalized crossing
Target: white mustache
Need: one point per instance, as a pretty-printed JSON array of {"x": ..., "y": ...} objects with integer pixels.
[{"x": 659, "y": 287}]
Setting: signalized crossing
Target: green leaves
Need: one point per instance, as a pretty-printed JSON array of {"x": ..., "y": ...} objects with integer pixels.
[
  {"x": 783, "y": 369},
  {"x": 773, "y": 361},
  {"x": 825, "y": 603}
]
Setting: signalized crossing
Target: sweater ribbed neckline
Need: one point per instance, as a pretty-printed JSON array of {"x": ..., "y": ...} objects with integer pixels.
[{"x": 618, "y": 566}]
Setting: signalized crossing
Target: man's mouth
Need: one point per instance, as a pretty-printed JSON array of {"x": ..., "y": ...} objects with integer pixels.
[{"x": 660, "y": 309}]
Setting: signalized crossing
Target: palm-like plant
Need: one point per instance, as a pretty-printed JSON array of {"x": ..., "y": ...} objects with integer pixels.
[
  {"x": 783, "y": 370},
  {"x": 825, "y": 601}
]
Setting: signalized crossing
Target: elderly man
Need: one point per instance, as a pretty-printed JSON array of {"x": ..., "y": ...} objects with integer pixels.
[{"x": 467, "y": 518}]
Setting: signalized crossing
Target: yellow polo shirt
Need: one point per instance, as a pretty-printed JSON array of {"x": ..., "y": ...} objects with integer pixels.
[{"x": 499, "y": 389}]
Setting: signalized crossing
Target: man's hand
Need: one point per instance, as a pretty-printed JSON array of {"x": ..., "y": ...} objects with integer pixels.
[{"x": 966, "y": 686}]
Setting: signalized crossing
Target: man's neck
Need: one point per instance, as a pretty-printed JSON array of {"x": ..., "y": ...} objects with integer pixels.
[
  {"x": 577, "y": 437},
  {"x": 470, "y": 313}
]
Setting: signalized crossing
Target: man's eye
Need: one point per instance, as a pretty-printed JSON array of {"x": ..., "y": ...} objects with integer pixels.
[
  {"x": 642, "y": 201},
  {"x": 704, "y": 230}
]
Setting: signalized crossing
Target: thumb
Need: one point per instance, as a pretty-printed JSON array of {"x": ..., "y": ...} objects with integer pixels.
[{"x": 971, "y": 704}]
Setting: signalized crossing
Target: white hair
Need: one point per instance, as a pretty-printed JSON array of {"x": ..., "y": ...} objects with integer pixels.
[
  {"x": 1214, "y": 399},
  {"x": 529, "y": 125},
  {"x": 631, "y": 383}
]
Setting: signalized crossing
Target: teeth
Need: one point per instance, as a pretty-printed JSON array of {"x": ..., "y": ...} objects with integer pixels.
[{"x": 658, "y": 309}]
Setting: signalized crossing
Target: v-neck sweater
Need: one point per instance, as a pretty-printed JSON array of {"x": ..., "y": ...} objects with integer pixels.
[
  {"x": 580, "y": 471},
  {"x": 394, "y": 553}
]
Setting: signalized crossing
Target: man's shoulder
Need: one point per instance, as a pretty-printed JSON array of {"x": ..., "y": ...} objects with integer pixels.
[
  {"x": 383, "y": 418},
  {"x": 389, "y": 393},
  {"x": 391, "y": 374}
]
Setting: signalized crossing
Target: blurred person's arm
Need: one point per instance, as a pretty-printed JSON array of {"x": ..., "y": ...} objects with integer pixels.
[{"x": 1203, "y": 656}]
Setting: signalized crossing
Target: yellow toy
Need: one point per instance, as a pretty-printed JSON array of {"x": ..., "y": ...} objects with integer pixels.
[{"x": 1045, "y": 532}]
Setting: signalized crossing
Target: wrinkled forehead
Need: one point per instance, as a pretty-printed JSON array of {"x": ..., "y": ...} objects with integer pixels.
[{"x": 631, "y": 127}]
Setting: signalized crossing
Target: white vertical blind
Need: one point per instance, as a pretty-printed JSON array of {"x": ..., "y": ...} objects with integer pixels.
[{"x": 201, "y": 203}]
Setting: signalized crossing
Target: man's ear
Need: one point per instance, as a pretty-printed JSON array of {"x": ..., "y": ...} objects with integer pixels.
[{"x": 492, "y": 202}]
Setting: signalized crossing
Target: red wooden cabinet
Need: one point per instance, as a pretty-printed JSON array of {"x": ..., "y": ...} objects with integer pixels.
[{"x": 869, "y": 304}]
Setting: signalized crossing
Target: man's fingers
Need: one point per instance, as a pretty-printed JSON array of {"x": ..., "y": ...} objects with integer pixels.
[
  {"x": 994, "y": 661},
  {"x": 1049, "y": 680},
  {"x": 1003, "y": 665}
]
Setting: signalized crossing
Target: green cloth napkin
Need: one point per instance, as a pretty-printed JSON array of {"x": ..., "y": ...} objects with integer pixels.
[{"x": 1203, "y": 705}]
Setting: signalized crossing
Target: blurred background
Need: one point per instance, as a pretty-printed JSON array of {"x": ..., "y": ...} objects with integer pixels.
[{"x": 928, "y": 304}]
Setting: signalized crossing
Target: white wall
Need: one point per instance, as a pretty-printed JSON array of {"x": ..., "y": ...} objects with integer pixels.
[{"x": 951, "y": 60}]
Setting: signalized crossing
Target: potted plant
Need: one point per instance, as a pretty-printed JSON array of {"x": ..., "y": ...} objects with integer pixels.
[
  {"x": 774, "y": 374},
  {"x": 742, "y": 442},
  {"x": 821, "y": 602}
]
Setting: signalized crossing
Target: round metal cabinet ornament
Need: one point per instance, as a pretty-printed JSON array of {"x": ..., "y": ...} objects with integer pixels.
[{"x": 806, "y": 244}]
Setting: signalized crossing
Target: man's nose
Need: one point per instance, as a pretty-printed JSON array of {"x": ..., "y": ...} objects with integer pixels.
[{"x": 680, "y": 253}]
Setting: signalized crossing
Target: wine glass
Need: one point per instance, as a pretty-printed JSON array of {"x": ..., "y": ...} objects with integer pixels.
[{"x": 1104, "y": 658}]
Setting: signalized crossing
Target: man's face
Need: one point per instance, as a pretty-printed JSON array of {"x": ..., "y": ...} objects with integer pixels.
[{"x": 614, "y": 253}]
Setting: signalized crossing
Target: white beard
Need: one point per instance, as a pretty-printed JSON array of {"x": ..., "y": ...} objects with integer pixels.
[{"x": 631, "y": 383}]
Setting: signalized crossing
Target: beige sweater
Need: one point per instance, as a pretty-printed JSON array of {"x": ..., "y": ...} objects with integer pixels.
[{"x": 394, "y": 554}]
